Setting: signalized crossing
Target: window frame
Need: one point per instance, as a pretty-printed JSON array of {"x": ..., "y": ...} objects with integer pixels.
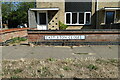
[
  {"x": 77, "y": 18},
  {"x": 72, "y": 18},
  {"x": 85, "y": 17},
  {"x": 106, "y": 15}
]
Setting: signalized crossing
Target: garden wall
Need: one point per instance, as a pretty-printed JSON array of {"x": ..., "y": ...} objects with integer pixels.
[
  {"x": 92, "y": 37},
  {"x": 12, "y": 33}
]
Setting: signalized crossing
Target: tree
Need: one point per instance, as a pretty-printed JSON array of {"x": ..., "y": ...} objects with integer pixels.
[
  {"x": 6, "y": 10},
  {"x": 16, "y": 13},
  {"x": 23, "y": 8}
]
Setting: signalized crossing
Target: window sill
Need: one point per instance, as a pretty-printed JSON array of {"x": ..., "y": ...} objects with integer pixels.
[{"x": 78, "y": 24}]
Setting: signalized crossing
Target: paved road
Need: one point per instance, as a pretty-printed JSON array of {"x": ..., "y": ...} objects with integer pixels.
[{"x": 42, "y": 52}]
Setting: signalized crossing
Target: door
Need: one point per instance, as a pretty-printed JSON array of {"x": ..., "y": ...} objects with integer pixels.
[
  {"x": 42, "y": 20},
  {"x": 110, "y": 16}
]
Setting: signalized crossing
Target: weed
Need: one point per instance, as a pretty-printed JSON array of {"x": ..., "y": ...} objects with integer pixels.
[
  {"x": 44, "y": 72},
  {"x": 1, "y": 74},
  {"x": 30, "y": 67},
  {"x": 51, "y": 59},
  {"x": 71, "y": 47},
  {"x": 22, "y": 39},
  {"x": 78, "y": 65},
  {"x": 110, "y": 47},
  {"x": 32, "y": 52},
  {"x": 61, "y": 75},
  {"x": 13, "y": 62},
  {"x": 15, "y": 77},
  {"x": 16, "y": 71},
  {"x": 66, "y": 68},
  {"x": 92, "y": 67},
  {"x": 33, "y": 75},
  {"x": 100, "y": 61},
  {"x": 113, "y": 60},
  {"x": 18, "y": 39}
]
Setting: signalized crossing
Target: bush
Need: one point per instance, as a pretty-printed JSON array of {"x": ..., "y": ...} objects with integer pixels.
[{"x": 62, "y": 26}]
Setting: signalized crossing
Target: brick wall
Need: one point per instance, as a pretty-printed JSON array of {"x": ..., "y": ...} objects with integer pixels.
[
  {"x": 36, "y": 36},
  {"x": 12, "y": 33}
]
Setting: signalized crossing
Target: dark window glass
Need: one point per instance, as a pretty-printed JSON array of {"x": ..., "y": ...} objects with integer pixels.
[
  {"x": 42, "y": 18},
  {"x": 81, "y": 18},
  {"x": 68, "y": 18},
  {"x": 74, "y": 18},
  {"x": 87, "y": 18},
  {"x": 110, "y": 17}
]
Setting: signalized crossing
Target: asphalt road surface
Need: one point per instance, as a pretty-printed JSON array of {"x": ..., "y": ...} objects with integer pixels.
[{"x": 43, "y": 52}]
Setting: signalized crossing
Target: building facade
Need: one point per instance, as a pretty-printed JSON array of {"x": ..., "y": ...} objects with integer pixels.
[
  {"x": 76, "y": 15},
  {"x": 108, "y": 14}
]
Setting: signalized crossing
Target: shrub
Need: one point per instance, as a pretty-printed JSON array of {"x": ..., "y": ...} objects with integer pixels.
[{"x": 62, "y": 26}]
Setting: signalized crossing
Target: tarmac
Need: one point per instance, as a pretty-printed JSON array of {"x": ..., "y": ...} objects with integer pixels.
[{"x": 59, "y": 52}]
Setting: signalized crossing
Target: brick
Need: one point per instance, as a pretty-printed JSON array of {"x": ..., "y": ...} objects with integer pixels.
[
  {"x": 12, "y": 33},
  {"x": 96, "y": 36}
]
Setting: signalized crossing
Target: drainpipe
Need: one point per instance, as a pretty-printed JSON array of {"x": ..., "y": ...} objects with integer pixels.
[
  {"x": 97, "y": 4},
  {"x": 97, "y": 13},
  {"x": 35, "y": 4}
]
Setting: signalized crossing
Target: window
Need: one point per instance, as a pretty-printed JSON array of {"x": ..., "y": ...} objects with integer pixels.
[
  {"x": 81, "y": 18},
  {"x": 110, "y": 15},
  {"x": 67, "y": 18},
  {"x": 78, "y": 18},
  {"x": 87, "y": 18},
  {"x": 42, "y": 18},
  {"x": 74, "y": 18}
]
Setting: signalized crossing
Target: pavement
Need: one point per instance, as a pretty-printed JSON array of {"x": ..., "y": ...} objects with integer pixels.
[{"x": 59, "y": 52}]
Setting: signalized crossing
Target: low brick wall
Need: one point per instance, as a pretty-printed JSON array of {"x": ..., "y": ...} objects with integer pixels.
[
  {"x": 92, "y": 37},
  {"x": 12, "y": 33}
]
